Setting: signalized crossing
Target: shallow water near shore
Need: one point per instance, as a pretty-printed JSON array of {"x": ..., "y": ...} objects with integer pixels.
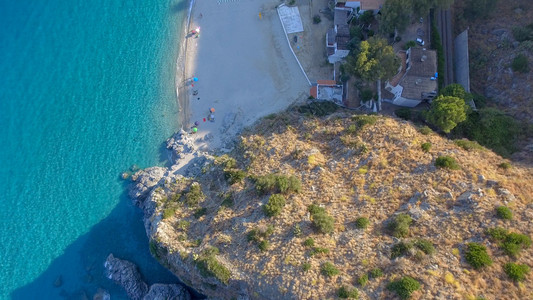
[{"x": 87, "y": 91}]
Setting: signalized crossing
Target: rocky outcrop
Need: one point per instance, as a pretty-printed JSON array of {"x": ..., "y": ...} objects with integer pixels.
[
  {"x": 160, "y": 291},
  {"x": 125, "y": 274}
]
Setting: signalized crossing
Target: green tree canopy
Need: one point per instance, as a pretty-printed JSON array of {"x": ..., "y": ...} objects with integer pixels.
[
  {"x": 375, "y": 60},
  {"x": 395, "y": 14},
  {"x": 446, "y": 112},
  {"x": 456, "y": 90}
]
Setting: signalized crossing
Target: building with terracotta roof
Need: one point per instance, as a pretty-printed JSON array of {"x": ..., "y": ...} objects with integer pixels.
[{"x": 417, "y": 79}]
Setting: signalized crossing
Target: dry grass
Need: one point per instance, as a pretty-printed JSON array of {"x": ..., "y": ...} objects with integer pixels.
[{"x": 395, "y": 168}]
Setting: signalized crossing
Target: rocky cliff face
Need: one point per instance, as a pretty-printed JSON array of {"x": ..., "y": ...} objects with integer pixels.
[{"x": 219, "y": 231}]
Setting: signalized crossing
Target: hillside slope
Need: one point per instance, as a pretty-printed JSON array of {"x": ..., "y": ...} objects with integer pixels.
[{"x": 219, "y": 238}]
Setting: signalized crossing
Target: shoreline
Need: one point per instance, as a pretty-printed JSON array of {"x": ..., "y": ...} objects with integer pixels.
[{"x": 181, "y": 62}]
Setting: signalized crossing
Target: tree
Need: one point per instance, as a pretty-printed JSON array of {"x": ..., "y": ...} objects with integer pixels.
[
  {"x": 375, "y": 60},
  {"x": 456, "y": 90},
  {"x": 421, "y": 7},
  {"x": 395, "y": 14},
  {"x": 446, "y": 112}
]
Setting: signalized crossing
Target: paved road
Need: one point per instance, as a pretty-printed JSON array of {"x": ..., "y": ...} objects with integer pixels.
[{"x": 444, "y": 23}]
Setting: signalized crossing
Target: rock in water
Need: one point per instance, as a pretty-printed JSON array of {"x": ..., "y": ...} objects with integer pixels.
[
  {"x": 126, "y": 274},
  {"x": 160, "y": 291}
]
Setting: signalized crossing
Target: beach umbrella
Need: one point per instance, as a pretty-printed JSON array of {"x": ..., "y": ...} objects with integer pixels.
[
  {"x": 195, "y": 78},
  {"x": 212, "y": 110},
  {"x": 196, "y": 123},
  {"x": 195, "y": 129}
]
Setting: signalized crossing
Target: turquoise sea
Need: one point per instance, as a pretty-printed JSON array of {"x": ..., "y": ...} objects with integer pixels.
[{"x": 86, "y": 91}]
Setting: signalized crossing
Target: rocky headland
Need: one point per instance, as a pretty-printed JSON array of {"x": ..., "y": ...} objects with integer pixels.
[{"x": 340, "y": 205}]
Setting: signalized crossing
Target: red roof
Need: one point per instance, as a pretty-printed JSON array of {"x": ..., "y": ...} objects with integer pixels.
[
  {"x": 327, "y": 82},
  {"x": 314, "y": 91}
]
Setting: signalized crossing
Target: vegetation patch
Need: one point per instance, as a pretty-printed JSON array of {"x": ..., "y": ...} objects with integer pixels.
[
  {"x": 319, "y": 250},
  {"x": 447, "y": 162},
  {"x": 520, "y": 64},
  {"x": 168, "y": 212},
  {"x": 277, "y": 183},
  {"x": 469, "y": 145},
  {"x": 404, "y": 287},
  {"x": 309, "y": 242},
  {"x": 194, "y": 195},
  {"x": 345, "y": 292},
  {"x": 510, "y": 242},
  {"x": 209, "y": 266},
  {"x": 376, "y": 273},
  {"x": 399, "y": 226},
  {"x": 516, "y": 272},
  {"x": 318, "y": 108},
  {"x": 476, "y": 255},
  {"x": 322, "y": 222},
  {"x": 504, "y": 165},
  {"x": 259, "y": 236},
  {"x": 426, "y": 146},
  {"x": 275, "y": 205},
  {"x": 400, "y": 249},
  {"x": 200, "y": 212},
  {"x": 328, "y": 269},
  {"x": 425, "y": 130},
  {"x": 425, "y": 246},
  {"x": 306, "y": 267},
  {"x": 504, "y": 212},
  {"x": 362, "y": 280},
  {"x": 362, "y": 223}
]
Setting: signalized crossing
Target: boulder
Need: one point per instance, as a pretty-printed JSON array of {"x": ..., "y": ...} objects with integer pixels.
[
  {"x": 144, "y": 180},
  {"x": 126, "y": 274},
  {"x": 160, "y": 291}
]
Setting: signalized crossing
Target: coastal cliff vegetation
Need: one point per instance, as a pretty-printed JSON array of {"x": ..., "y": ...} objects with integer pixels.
[{"x": 349, "y": 206}]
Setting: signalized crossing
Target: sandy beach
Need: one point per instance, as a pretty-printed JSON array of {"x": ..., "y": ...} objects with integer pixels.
[{"x": 244, "y": 66}]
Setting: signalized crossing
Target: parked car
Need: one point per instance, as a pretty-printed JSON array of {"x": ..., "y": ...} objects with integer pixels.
[{"x": 420, "y": 41}]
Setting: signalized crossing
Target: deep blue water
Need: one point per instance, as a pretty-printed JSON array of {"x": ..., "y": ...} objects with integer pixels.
[{"x": 86, "y": 91}]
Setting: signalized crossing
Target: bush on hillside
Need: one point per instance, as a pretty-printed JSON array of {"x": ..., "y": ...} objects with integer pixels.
[
  {"x": 321, "y": 221},
  {"x": 510, "y": 242},
  {"x": 362, "y": 222},
  {"x": 504, "y": 165},
  {"x": 400, "y": 249},
  {"x": 376, "y": 273},
  {"x": 520, "y": 64},
  {"x": 209, "y": 266},
  {"x": 426, "y": 146},
  {"x": 194, "y": 195},
  {"x": 425, "y": 130},
  {"x": 347, "y": 292},
  {"x": 447, "y": 162},
  {"x": 309, "y": 242},
  {"x": 275, "y": 205},
  {"x": 504, "y": 212},
  {"x": 362, "y": 280},
  {"x": 425, "y": 245},
  {"x": 277, "y": 183},
  {"x": 399, "y": 226},
  {"x": 476, "y": 255},
  {"x": 329, "y": 269},
  {"x": 516, "y": 272},
  {"x": 468, "y": 145},
  {"x": 404, "y": 287}
]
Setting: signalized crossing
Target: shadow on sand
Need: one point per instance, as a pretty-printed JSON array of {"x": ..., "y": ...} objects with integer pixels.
[{"x": 79, "y": 272}]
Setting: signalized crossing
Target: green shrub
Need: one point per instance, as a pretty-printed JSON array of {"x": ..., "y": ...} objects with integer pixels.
[
  {"x": 319, "y": 250},
  {"x": 234, "y": 175},
  {"x": 309, "y": 242},
  {"x": 363, "y": 120},
  {"x": 520, "y": 64},
  {"x": 447, "y": 162},
  {"x": 362, "y": 222},
  {"x": 426, "y": 146},
  {"x": 200, "y": 212},
  {"x": 277, "y": 183},
  {"x": 323, "y": 222},
  {"x": 409, "y": 44},
  {"x": 510, "y": 242},
  {"x": 366, "y": 95},
  {"x": 404, "y": 113},
  {"x": 258, "y": 234},
  {"x": 209, "y": 266},
  {"x": 516, "y": 272},
  {"x": 316, "y": 19},
  {"x": 426, "y": 246},
  {"x": 362, "y": 280},
  {"x": 168, "y": 212},
  {"x": 399, "y": 226},
  {"x": 376, "y": 273},
  {"x": 228, "y": 200},
  {"x": 329, "y": 269},
  {"x": 504, "y": 212},
  {"x": 297, "y": 230},
  {"x": 347, "y": 292},
  {"x": 476, "y": 255},
  {"x": 264, "y": 245},
  {"x": 468, "y": 145},
  {"x": 194, "y": 195},
  {"x": 425, "y": 130},
  {"x": 318, "y": 108},
  {"x": 306, "y": 267},
  {"x": 404, "y": 287},
  {"x": 522, "y": 34},
  {"x": 400, "y": 249},
  {"x": 275, "y": 205},
  {"x": 505, "y": 165},
  {"x": 182, "y": 225}
]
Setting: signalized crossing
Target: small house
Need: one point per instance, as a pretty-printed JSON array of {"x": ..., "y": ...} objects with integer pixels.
[
  {"x": 416, "y": 80},
  {"x": 338, "y": 37},
  {"x": 328, "y": 90}
]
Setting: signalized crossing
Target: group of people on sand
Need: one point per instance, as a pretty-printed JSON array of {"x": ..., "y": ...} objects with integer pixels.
[{"x": 210, "y": 116}]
